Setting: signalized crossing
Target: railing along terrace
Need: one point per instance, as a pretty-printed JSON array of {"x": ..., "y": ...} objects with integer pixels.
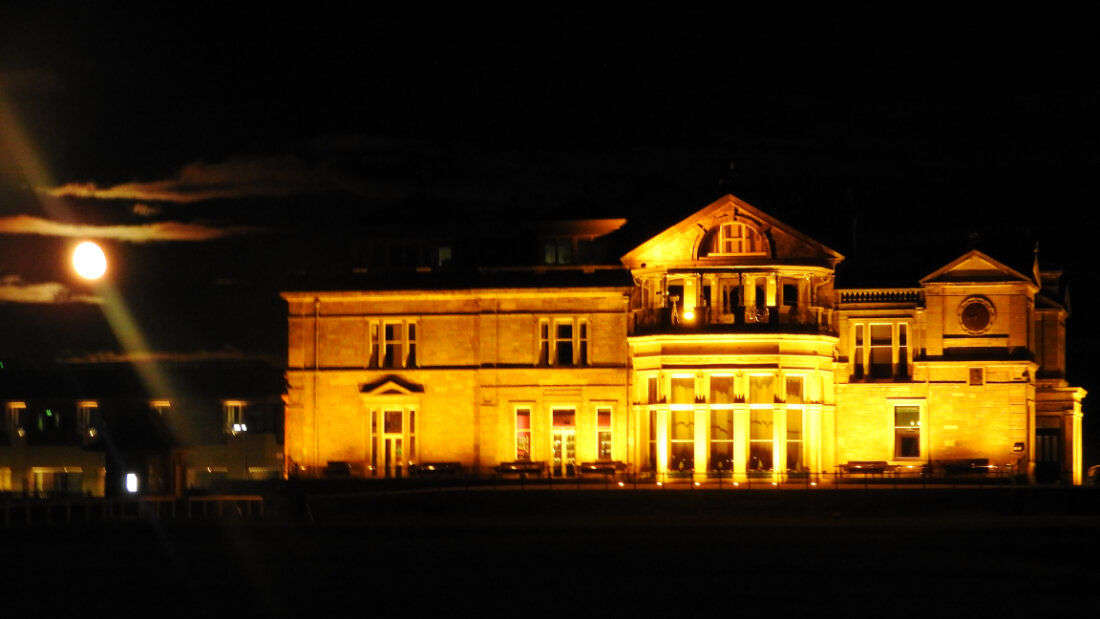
[
  {"x": 708, "y": 319},
  {"x": 881, "y": 295}
]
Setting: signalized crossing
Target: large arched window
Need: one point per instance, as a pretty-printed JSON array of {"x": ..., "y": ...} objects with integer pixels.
[{"x": 737, "y": 239}]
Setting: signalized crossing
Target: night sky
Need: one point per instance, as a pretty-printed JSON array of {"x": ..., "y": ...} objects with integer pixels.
[{"x": 217, "y": 155}]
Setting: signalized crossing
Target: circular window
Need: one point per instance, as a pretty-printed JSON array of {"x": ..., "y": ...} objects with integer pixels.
[{"x": 976, "y": 315}]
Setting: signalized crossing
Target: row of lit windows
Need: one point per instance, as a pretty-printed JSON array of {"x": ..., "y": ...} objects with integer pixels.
[
  {"x": 50, "y": 423},
  {"x": 723, "y": 389},
  {"x": 880, "y": 350},
  {"x": 720, "y": 436},
  {"x": 563, "y": 428}
]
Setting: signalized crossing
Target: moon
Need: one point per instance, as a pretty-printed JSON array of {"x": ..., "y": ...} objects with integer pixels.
[{"x": 89, "y": 260}]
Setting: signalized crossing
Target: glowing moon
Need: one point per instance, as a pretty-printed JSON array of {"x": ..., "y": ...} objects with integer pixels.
[{"x": 89, "y": 261}]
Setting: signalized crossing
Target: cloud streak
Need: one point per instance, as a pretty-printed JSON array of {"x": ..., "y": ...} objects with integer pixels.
[
  {"x": 143, "y": 233},
  {"x": 14, "y": 290},
  {"x": 200, "y": 181}
]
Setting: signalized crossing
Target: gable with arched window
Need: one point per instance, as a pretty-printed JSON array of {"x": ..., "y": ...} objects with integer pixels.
[{"x": 736, "y": 238}]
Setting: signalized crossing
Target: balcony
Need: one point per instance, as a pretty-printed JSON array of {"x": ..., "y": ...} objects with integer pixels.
[
  {"x": 664, "y": 320},
  {"x": 878, "y": 297}
]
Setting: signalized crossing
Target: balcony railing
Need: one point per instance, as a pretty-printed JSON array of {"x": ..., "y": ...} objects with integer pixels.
[
  {"x": 900, "y": 296},
  {"x": 741, "y": 319}
]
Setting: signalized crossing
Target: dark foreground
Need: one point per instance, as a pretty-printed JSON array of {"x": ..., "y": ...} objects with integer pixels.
[{"x": 577, "y": 553}]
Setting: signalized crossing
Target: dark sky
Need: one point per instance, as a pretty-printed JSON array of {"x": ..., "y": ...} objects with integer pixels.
[{"x": 211, "y": 150}]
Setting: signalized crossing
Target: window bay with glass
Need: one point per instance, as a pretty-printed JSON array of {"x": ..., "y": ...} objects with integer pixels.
[
  {"x": 563, "y": 342},
  {"x": 880, "y": 351},
  {"x": 392, "y": 344}
]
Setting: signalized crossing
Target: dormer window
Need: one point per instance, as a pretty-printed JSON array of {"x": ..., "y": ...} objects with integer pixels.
[{"x": 739, "y": 239}]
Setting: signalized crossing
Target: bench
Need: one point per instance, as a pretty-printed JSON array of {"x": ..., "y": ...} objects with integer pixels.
[
  {"x": 602, "y": 467},
  {"x": 523, "y": 468},
  {"x": 867, "y": 466},
  {"x": 436, "y": 468}
]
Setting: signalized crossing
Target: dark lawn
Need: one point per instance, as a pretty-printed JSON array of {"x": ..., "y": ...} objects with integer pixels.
[{"x": 587, "y": 553}]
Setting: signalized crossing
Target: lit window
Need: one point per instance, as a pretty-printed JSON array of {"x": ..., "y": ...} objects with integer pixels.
[
  {"x": 393, "y": 344},
  {"x": 523, "y": 434},
  {"x": 87, "y": 416},
  {"x": 761, "y": 389},
  {"x": 721, "y": 390},
  {"x": 234, "y": 418},
  {"x": 681, "y": 453},
  {"x": 738, "y": 239},
  {"x": 761, "y": 439},
  {"x": 906, "y": 432},
  {"x": 683, "y": 391},
  {"x": 880, "y": 351},
  {"x": 563, "y": 342},
  {"x": 603, "y": 433},
  {"x": 721, "y": 440}
]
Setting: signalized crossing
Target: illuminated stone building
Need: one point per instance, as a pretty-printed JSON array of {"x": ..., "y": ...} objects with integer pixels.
[{"x": 719, "y": 347}]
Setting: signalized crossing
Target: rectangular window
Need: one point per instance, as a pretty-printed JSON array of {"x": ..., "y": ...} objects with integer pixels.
[
  {"x": 721, "y": 390},
  {"x": 234, "y": 418},
  {"x": 651, "y": 389},
  {"x": 681, "y": 453},
  {"x": 906, "y": 432},
  {"x": 563, "y": 343},
  {"x": 583, "y": 356},
  {"x": 794, "y": 390},
  {"x": 857, "y": 351},
  {"x": 603, "y": 433},
  {"x": 523, "y": 434},
  {"x": 391, "y": 352},
  {"x": 410, "y": 345},
  {"x": 880, "y": 351},
  {"x": 375, "y": 346},
  {"x": 721, "y": 440},
  {"x": 391, "y": 422},
  {"x": 761, "y": 439},
  {"x": 977, "y": 377},
  {"x": 882, "y": 340},
  {"x": 761, "y": 390},
  {"x": 544, "y": 343},
  {"x": 87, "y": 419},
  {"x": 903, "y": 351},
  {"x": 683, "y": 391},
  {"x": 794, "y": 440},
  {"x": 652, "y": 439}
]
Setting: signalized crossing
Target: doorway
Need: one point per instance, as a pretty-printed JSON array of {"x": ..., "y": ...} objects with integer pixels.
[{"x": 564, "y": 443}]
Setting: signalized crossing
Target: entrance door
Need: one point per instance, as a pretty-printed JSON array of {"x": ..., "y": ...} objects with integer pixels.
[
  {"x": 564, "y": 437},
  {"x": 565, "y": 452},
  {"x": 1048, "y": 460},
  {"x": 392, "y": 455}
]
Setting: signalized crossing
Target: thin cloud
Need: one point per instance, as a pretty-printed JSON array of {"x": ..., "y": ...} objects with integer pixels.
[
  {"x": 14, "y": 290},
  {"x": 143, "y": 233},
  {"x": 199, "y": 181},
  {"x": 159, "y": 356}
]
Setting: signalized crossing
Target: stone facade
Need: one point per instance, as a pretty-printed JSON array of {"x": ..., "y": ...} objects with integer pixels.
[{"x": 724, "y": 350}]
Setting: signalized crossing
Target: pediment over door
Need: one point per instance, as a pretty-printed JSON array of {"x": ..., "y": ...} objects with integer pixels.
[
  {"x": 392, "y": 385},
  {"x": 730, "y": 232}
]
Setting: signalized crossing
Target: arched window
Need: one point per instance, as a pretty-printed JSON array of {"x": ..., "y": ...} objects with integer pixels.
[{"x": 738, "y": 239}]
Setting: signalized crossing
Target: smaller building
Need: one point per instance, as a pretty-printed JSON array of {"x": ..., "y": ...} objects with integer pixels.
[{"x": 103, "y": 429}]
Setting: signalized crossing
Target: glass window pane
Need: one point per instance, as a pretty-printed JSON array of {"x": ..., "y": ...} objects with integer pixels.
[
  {"x": 603, "y": 419},
  {"x": 683, "y": 391},
  {"x": 794, "y": 390},
  {"x": 761, "y": 390},
  {"x": 392, "y": 422},
  {"x": 683, "y": 425},
  {"x": 721, "y": 389},
  {"x": 565, "y": 419},
  {"x": 761, "y": 425}
]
